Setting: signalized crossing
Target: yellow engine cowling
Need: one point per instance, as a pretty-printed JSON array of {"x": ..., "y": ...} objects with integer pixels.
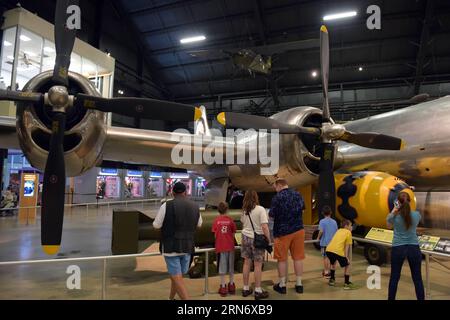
[{"x": 368, "y": 197}]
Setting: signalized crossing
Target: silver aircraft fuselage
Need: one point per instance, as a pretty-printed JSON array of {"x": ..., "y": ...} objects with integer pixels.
[{"x": 425, "y": 161}]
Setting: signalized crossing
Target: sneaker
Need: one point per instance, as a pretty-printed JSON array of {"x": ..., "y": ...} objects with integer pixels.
[
  {"x": 231, "y": 288},
  {"x": 246, "y": 293},
  {"x": 327, "y": 275},
  {"x": 299, "y": 289},
  {"x": 349, "y": 286},
  {"x": 332, "y": 282},
  {"x": 279, "y": 289},
  {"x": 223, "y": 291},
  {"x": 261, "y": 295}
]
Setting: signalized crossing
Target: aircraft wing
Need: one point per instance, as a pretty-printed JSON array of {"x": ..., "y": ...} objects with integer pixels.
[
  {"x": 126, "y": 144},
  {"x": 158, "y": 148}
]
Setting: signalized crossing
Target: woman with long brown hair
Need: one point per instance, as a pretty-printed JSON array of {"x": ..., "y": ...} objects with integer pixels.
[
  {"x": 254, "y": 220},
  {"x": 405, "y": 245}
]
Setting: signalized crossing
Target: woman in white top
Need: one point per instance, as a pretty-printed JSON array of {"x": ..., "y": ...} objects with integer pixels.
[{"x": 253, "y": 212}]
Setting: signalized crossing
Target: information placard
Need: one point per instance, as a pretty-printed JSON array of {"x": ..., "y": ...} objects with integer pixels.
[
  {"x": 427, "y": 242},
  {"x": 238, "y": 237},
  {"x": 382, "y": 235},
  {"x": 443, "y": 246}
]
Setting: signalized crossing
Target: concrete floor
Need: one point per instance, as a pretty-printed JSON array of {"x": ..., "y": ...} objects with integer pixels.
[{"x": 89, "y": 234}]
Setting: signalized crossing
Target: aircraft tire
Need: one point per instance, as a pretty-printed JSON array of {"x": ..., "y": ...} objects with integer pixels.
[{"x": 374, "y": 254}]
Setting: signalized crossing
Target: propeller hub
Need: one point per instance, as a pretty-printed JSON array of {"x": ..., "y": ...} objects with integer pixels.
[
  {"x": 58, "y": 97},
  {"x": 332, "y": 131}
]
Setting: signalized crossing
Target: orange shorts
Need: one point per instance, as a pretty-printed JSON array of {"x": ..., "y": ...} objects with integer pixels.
[{"x": 294, "y": 242}]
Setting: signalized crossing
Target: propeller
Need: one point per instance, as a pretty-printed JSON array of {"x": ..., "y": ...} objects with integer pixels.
[
  {"x": 422, "y": 97},
  {"x": 248, "y": 121},
  {"x": 9, "y": 95},
  {"x": 329, "y": 132},
  {"x": 140, "y": 107},
  {"x": 54, "y": 184},
  {"x": 64, "y": 41},
  {"x": 58, "y": 98}
]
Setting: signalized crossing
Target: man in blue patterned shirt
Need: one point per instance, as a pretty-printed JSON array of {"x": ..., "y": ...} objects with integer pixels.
[{"x": 289, "y": 235}]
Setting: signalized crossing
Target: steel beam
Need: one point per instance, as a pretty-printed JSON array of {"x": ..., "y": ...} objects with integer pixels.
[
  {"x": 423, "y": 44},
  {"x": 259, "y": 16}
]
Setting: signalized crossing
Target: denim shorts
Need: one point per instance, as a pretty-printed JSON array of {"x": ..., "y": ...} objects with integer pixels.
[{"x": 178, "y": 264}]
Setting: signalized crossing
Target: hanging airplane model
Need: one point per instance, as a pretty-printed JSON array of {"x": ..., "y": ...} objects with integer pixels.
[
  {"x": 256, "y": 59},
  {"x": 62, "y": 130}
]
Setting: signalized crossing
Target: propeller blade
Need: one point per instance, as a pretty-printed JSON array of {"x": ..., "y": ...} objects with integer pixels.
[
  {"x": 141, "y": 107},
  {"x": 249, "y": 121},
  {"x": 64, "y": 40},
  {"x": 419, "y": 98},
  {"x": 9, "y": 95},
  {"x": 374, "y": 140},
  {"x": 325, "y": 69},
  {"x": 327, "y": 188},
  {"x": 52, "y": 211},
  {"x": 414, "y": 100}
]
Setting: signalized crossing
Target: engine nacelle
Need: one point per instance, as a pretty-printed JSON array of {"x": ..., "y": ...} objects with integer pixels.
[
  {"x": 298, "y": 154},
  {"x": 85, "y": 129},
  {"x": 367, "y": 197}
]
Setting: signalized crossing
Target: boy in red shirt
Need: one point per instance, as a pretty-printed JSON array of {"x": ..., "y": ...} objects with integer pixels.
[{"x": 224, "y": 229}]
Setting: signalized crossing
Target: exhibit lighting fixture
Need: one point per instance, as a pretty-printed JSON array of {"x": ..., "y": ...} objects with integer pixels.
[
  {"x": 340, "y": 15},
  {"x": 24, "y": 38},
  {"x": 314, "y": 74},
  {"x": 49, "y": 49},
  {"x": 192, "y": 39},
  {"x": 7, "y": 43},
  {"x": 360, "y": 69}
]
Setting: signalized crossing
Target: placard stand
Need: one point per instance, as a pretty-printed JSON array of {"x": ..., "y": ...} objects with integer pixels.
[{"x": 29, "y": 191}]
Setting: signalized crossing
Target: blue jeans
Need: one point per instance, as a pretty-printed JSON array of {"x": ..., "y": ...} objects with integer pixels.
[{"x": 414, "y": 256}]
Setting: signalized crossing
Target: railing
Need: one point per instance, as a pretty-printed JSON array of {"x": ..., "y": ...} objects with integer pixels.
[
  {"x": 88, "y": 205},
  {"x": 97, "y": 204},
  {"x": 105, "y": 259},
  {"x": 428, "y": 254}
]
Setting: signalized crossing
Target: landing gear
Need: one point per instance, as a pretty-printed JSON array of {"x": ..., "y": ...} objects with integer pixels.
[{"x": 375, "y": 254}]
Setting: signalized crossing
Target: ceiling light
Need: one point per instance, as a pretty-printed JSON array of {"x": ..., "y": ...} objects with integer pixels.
[
  {"x": 341, "y": 15},
  {"x": 24, "y": 38},
  {"x": 314, "y": 74},
  {"x": 49, "y": 49},
  {"x": 192, "y": 39},
  {"x": 360, "y": 69},
  {"x": 7, "y": 43},
  {"x": 120, "y": 92}
]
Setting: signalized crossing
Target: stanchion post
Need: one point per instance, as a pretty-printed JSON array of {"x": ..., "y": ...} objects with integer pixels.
[
  {"x": 206, "y": 272},
  {"x": 427, "y": 276},
  {"x": 104, "y": 280}
]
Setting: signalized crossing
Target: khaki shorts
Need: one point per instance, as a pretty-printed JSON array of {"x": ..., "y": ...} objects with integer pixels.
[{"x": 294, "y": 242}]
